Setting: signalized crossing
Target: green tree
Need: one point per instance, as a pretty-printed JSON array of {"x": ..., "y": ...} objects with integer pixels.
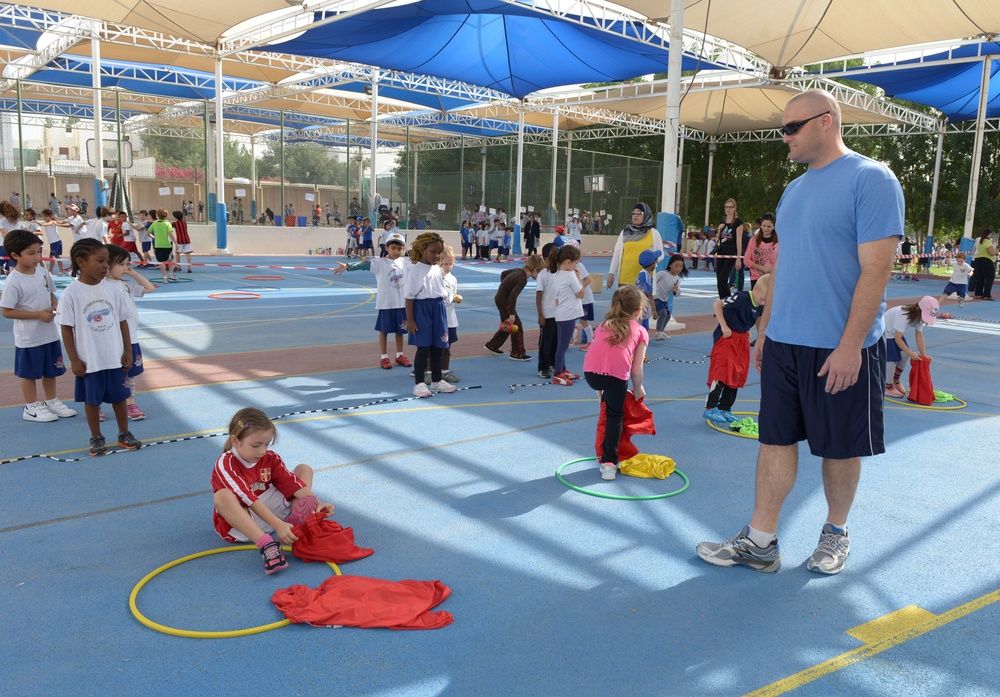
[{"x": 305, "y": 163}]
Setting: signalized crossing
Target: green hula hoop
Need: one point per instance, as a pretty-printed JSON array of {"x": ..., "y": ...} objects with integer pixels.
[
  {"x": 618, "y": 497},
  {"x": 228, "y": 634}
]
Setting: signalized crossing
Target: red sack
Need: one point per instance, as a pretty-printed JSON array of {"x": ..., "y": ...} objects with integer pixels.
[
  {"x": 638, "y": 420},
  {"x": 325, "y": 540},
  {"x": 921, "y": 387},
  {"x": 356, "y": 601},
  {"x": 730, "y": 360}
]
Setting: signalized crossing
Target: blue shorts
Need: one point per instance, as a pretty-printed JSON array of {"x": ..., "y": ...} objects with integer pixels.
[
  {"x": 892, "y": 352},
  {"x": 452, "y": 335},
  {"x": 794, "y": 405},
  {"x": 147, "y": 245},
  {"x": 466, "y": 245},
  {"x": 55, "y": 250},
  {"x": 105, "y": 386},
  {"x": 391, "y": 321},
  {"x": 367, "y": 244},
  {"x": 505, "y": 251},
  {"x": 660, "y": 306},
  {"x": 9, "y": 263},
  {"x": 136, "y": 368},
  {"x": 432, "y": 323},
  {"x": 37, "y": 362},
  {"x": 959, "y": 288},
  {"x": 588, "y": 312}
]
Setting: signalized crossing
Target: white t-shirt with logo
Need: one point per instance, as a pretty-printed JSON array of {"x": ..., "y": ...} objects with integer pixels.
[{"x": 95, "y": 312}]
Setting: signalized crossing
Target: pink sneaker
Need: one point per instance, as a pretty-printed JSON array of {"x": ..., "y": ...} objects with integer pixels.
[
  {"x": 135, "y": 413},
  {"x": 100, "y": 414},
  {"x": 302, "y": 509}
]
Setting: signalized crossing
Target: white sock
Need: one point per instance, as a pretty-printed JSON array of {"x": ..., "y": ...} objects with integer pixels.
[
  {"x": 398, "y": 354},
  {"x": 386, "y": 356},
  {"x": 760, "y": 538},
  {"x": 839, "y": 529}
]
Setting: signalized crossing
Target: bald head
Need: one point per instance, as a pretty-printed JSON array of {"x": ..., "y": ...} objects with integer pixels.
[
  {"x": 811, "y": 128},
  {"x": 816, "y": 102}
]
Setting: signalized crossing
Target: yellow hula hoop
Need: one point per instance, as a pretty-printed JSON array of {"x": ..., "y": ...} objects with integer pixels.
[
  {"x": 731, "y": 432},
  {"x": 907, "y": 403},
  {"x": 194, "y": 634}
]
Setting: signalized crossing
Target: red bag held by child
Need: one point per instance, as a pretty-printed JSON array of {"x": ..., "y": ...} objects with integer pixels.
[
  {"x": 921, "y": 387},
  {"x": 638, "y": 419}
]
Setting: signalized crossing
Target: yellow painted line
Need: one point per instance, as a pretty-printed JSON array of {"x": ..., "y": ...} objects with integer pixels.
[{"x": 879, "y": 635}]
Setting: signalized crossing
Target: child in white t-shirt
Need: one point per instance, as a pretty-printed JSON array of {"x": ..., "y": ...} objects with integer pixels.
[
  {"x": 29, "y": 299},
  {"x": 568, "y": 291},
  {"x": 390, "y": 275},
  {"x": 959, "y": 281},
  {"x": 666, "y": 287},
  {"x": 897, "y": 320},
  {"x": 93, "y": 315}
]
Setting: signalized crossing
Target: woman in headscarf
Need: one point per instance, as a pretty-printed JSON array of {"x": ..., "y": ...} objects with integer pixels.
[{"x": 639, "y": 236}]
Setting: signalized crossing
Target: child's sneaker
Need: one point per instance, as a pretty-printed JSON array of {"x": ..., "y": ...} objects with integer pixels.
[
  {"x": 715, "y": 416},
  {"x": 302, "y": 509},
  {"x": 58, "y": 408},
  {"x": 451, "y": 377},
  {"x": 100, "y": 414},
  {"x": 520, "y": 357},
  {"x": 421, "y": 390},
  {"x": 97, "y": 446},
  {"x": 560, "y": 380},
  {"x": 961, "y": 303},
  {"x": 945, "y": 315},
  {"x": 129, "y": 442},
  {"x": 135, "y": 413},
  {"x": 608, "y": 471},
  {"x": 386, "y": 365},
  {"x": 545, "y": 374},
  {"x": 274, "y": 558},
  {"x": 403, "y": 361},
  {"x": 38, "y": 412},
  {"x": 584, "y": 347},
  {"x": 728, "y": 416},
  {"x": 569, "y": 376},
  {"x": 442, "y": 386},
  {"x": 495, "y": 352}
]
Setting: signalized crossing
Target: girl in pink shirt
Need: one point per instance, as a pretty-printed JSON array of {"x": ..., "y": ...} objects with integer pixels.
[{"x": 617, "y": 352}]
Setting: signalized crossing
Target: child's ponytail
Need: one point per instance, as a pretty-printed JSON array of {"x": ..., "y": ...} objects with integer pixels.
[{"x": 625, "y": 303}]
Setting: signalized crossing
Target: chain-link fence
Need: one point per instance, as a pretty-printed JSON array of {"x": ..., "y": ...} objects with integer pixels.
[{"x": 51, "y": 159}]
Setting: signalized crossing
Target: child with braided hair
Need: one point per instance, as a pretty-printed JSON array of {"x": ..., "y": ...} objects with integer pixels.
[{"x": 426, "y": 317}]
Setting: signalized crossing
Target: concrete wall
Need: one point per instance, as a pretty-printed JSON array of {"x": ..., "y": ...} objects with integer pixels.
[{"x": 275, "y": 241}]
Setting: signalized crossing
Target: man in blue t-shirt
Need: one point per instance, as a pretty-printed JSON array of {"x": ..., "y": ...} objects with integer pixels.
[{"x": 822, "y": 358}]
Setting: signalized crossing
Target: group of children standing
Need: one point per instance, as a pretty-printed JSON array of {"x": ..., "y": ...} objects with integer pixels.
[
  {"x": 96, "y": 318},
  {"x": 415, "y": 295},
  {"x": 479, "y": 240}
]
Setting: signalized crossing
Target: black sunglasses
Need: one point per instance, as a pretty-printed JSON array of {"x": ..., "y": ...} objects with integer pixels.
[{"x": 790, "y": 129}]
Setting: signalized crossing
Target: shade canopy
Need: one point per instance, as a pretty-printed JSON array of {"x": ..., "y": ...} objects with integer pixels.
[
  {"x": 799, "y": 32},
  {"x": 197, "y": 20},
  {"x": 952, "y": 87},
  {"x": 506, "y": 47}
]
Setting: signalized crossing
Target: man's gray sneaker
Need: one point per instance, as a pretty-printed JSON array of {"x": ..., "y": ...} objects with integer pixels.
[
  {"x": 831, "y": 552},
  {"x": 741, "y": 550}
]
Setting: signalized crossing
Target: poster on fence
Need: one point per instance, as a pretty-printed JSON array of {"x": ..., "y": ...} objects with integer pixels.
[
  {"x": 178, "y": 191},
  {"x": 164, "y": 191}
]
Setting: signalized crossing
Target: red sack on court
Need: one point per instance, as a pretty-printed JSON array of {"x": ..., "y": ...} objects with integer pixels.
[
  {"x": 357, "y": 601},
  {"x": 730, "y": 360},
  {"x": 638, "y": 420},
  {"x": 321, "y": 539},
  {"x": 921, "y": 387}
]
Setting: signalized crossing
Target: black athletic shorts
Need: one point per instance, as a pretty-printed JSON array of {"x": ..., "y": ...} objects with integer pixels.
[{"x": 795, "y": 406}]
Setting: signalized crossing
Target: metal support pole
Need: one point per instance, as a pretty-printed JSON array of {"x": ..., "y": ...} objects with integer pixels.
[
  {"x": 668, "y": 200},
  {"x": 977, "y": 149},
  {"x": 20, "y": 146},
  {"x": 281, "y": 164},
  {"x": 516, "y": 213},
  {"x": 713, "y": 145},
  {"x": 555, "y": 167},
  {"x": 373, "y": 134},
  {"x": 569, "y": 169},
  {"x": 220, "y": 163},
  {"x": 937, "y": 175},
  {"x": 95, "y": 81}
]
